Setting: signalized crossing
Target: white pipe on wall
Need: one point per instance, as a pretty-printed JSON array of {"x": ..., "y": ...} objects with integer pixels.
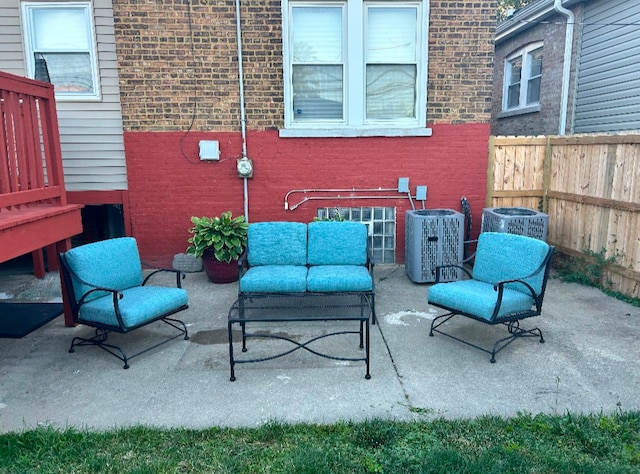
[
  {"x": 243, "y": 121},
  {"x": 566, "y": 68}
]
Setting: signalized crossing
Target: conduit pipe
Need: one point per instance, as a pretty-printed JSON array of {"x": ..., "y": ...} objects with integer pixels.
[
  {"x": 291, "y": 207},
  {"x": 566, "y": 69},
  {"x": 317, "y": 198},
  {"x": 243, "y": 121},
  {"x": 335, "y": 190}
]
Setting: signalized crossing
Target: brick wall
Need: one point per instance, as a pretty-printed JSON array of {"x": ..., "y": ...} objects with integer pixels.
[
  {"x": 171, "y": 57},
  {"x": 460, "y": 61},
  {"x": 168, "y": 184}
]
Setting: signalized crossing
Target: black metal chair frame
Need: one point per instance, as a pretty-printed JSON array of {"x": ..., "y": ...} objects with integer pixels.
[
  {"x": 511, "y": 321},
  {"x": 466, "y": 210},
  {"x": 102, "y": 330}
]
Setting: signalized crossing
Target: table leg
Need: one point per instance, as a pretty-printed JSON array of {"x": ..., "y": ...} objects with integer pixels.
[
  {"x": 231, "y": 361},
  {"x": 368, "y": 375},
  {"x": 244, "y": 337}
]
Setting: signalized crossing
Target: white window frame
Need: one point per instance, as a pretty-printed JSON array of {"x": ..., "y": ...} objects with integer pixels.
[
  {"x": 525, "y": 56},
  {"x": 354, "y": 123},
  {"x": 29, "y": 41}
]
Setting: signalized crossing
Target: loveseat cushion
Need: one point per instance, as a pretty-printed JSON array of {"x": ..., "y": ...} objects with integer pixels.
[
  {"x": 327, "y": 278},
  {"x": 138, "y": 305},
  {"x": 277, "y": 243},
  {"x": 337, "y": 243},
  {"x": 478, "y": 298},
  {"x": 503, "y": 256},
  {"x": 112, "y": 263},
  {"x": 274, "y": 279}
]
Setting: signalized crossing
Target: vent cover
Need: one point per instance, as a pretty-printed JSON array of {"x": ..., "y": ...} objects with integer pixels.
[
  {"x": 515, "y": 220},
  {"x": 433, "y": 237}
]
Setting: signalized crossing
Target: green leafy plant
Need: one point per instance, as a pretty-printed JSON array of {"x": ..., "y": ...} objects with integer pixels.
[
  {"x": 225, "y": 235},
  {"x": 590, "y": 270},
  {"x": 587, "y": 270}
]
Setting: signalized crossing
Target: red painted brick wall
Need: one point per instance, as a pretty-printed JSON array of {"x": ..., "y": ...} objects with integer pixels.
[{"x": 168, "y": 183}]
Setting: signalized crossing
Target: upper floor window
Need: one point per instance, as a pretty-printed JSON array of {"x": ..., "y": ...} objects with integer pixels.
[
  {"x": 522, "y": 74},
  {"x": 354, "y": 64},
  {"x": 60, "y": 36}
]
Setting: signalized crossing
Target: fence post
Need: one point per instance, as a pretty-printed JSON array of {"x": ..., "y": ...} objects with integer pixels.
[
  {"x": 490, "y": 171},
  {"x": 546, "y": 175}
]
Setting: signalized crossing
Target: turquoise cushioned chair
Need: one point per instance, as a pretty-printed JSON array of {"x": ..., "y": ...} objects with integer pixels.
[
  {"x": 508, "y": 284},
  {"x": 105, "y": 288}
]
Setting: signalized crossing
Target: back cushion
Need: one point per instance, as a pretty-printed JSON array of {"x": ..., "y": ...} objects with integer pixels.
[
  {"x": 277, "y": 243},
  {"x": 337, "y": 243},
  {"x": 113, "y": 263},
  {"x": 502, "y": 256}
]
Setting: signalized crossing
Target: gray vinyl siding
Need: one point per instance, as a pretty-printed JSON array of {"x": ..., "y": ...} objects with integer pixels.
[
  {"x": 608, "y": 89},
  {"x": 11, "y": 50},
  {"x": 91, "y": 133}
]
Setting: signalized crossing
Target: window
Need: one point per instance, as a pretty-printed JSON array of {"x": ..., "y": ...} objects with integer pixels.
[
  {"x": 61, "y": 34},
  {"x": 355, "y": 65},
  {"x": 522, "y": 74},
  {"x": 381, "y": 226}
]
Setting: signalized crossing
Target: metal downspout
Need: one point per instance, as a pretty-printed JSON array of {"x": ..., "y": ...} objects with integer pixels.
[
  {"x": 566, "y": 68},
  {"x": 243, "y": 120}
]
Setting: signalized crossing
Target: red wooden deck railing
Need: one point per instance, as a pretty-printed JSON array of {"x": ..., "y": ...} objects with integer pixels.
[{"x": 34, "y": 213}]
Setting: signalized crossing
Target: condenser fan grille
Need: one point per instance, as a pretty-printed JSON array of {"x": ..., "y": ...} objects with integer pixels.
[{"x": 433, "y": 237}]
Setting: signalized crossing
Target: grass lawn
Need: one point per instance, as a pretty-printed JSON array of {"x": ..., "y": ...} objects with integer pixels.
[{"x": 524, "y": 444}]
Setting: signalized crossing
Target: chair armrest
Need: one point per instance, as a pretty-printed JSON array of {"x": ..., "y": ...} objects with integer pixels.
[
  {"x": 369, "y": 263},
  {"x": 179, "y": 275},
  {"x": 498, "y": 287},
  {"x": 116, "y": 294},
  {"x": 470, "y": 258},
  {"x": 243, "y": 263},
  {"x": 438, "y": 269},
  {"x": 543, "y": 266}
]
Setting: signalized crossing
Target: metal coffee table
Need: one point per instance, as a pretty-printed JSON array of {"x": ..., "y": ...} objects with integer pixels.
[{"x": 282, "y": 309}]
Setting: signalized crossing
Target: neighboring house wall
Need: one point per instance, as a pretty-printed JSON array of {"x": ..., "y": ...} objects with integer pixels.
[
  {"x": 90, "y": 131},
  {"x": 169, "y": 64},
  {"x": 545, "y": 121},
  {"x": 608, "y": 91},
  {"x": 604, "y": 88}
]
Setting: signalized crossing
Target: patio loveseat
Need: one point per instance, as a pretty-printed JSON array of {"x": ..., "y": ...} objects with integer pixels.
[
  {"x": 323, "y": 257},
  {"x": 296, "y": 272}
]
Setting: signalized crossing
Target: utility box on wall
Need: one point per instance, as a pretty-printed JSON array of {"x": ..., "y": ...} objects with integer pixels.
[
  {"x": 433, "y": 237},
  {"x": 515, "y": 220}
]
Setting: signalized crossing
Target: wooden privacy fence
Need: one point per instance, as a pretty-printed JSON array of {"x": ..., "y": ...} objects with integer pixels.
[{"x": 588, "y": 185}]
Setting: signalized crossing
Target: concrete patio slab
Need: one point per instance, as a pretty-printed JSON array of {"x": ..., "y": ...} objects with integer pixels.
[{"x": 590, "y": 362}]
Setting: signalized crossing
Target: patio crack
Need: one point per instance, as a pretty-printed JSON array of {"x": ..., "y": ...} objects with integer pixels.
[{"x": 393, "y": 363}]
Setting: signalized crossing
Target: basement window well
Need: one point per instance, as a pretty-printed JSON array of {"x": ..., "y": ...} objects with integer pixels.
[{"x": 381, "y": 224}]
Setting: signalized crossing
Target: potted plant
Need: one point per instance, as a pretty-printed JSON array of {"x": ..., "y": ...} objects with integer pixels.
[{"x": 219, "y": 241}]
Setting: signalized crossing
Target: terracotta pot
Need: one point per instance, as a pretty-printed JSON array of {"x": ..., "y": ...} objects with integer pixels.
[{"x": 219, "y": 272}]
